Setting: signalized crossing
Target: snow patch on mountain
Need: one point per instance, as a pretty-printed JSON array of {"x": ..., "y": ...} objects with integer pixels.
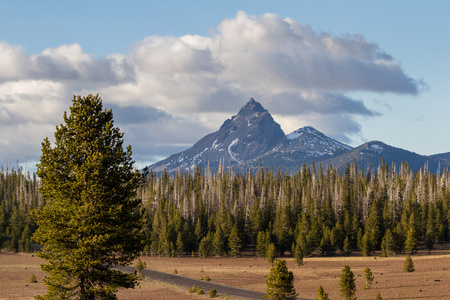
[
  {"x": 215, "y": 145},
  {"x": 294, "y": 135},
  {"x": 377, "y": 147},
  {"x": 232, "y": 154}
]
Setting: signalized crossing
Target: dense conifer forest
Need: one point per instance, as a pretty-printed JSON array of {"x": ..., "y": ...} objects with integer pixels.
[
  {"x": 316, "y": 210},
  {"x": 18, "y": 196}
]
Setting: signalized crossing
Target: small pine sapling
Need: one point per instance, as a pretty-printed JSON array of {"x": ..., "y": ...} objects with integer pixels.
[
  {"x": 408, "y": 265},
  {"x": 321, "y": 295},
  {"x": 368, "y": 276},
  {"x": 347, "y": 284}
]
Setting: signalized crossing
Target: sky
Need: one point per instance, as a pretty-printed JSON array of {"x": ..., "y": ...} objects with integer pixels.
[{"x": 174, "y": 71}]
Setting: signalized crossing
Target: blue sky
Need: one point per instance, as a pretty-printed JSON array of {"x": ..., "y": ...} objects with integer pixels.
[{"x": 173, "y": 71}]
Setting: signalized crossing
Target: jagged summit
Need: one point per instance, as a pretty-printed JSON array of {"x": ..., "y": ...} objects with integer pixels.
[
  {"x": 246, "y": 136},
  {"x": 252, "y": 106}
]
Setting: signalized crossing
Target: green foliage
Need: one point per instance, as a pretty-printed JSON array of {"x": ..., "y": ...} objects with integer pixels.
[
  {"x": 235, "y": 243},
  {"x": 366, "y": 246},
  {"x": 412, "y": 241},
  {"x": 261, "y": 244},
  {"x": 378, "y": 297},
  {"x": 298, "y": 254},
  {"x": 387, "y": 244},
  {"x": 33, "y": 279},
  {"x": 180, "y": 244},
  {"x": 322, "y": 210},
  {"x": 139, "y": 267},
  {"x": 280, "y": 282},
  {"x": 205, "y": 248},
  {"x": 347, "y": 284},
  {"x": 199, "y": 291},
  {"x": 408, "y": 265},
  {"x": 193, "y": 289},
  {"x": 212, "y": 293},
  {"x": 219, "y": 244},
  {"x": 347, "y": 249},
  {"x": 271, "y": 253},
  {"x": 90, "y": 224},
  {"x": 321, "y": 295},
  {"x": 368, "y": 276},
  {"x": 18, "y": 196}
]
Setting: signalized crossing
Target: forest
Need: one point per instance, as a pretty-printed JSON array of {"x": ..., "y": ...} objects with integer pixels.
[
  {"x": 316, "y": 210},
  {"x": 18, "y": 196}
]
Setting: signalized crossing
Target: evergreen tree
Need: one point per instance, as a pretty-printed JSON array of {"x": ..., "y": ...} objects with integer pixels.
[
  {"x": 271, "y": 252},
  {"x": 219, "y": 242},
  {"x": 387, "y": 244},
  {"x": 235, "y": 243},
  {"x": 399, "y": 238},
  {"x": 90, "y": 224},
  {"x": 368, "y": 276},
  {"x": 412, "y": 241},
  {"x": 347, "y": 284},
  {"x": 326, "y": 246},
  {"x": 298, "y": 254},
  {"x": 261, "y": 244},
  {"x": 180, "y": 244},
  {"x": 205, "y": 248},
  {"x": 430, "y": 234},
  {"x": 408, "y": 265},
  {"x": 347, "y": 249},
  {"x": 366, "y": 246},
  {"x": 321, "y": 295},
  {"x": 280, "y": 282}
]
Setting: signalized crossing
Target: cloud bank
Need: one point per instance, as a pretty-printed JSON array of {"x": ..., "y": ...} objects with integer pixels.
[{"x": 167, "y": 92}]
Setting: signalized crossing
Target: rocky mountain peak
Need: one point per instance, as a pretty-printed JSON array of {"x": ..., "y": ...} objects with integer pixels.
[
  {"x": 246, "y": 136},
  {"x": 252, "y": 107}
]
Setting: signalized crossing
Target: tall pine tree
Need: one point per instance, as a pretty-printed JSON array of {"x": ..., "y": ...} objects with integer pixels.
[{"x": 90, "y": 224}]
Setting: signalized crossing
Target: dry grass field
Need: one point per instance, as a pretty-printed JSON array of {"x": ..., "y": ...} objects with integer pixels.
[{"x": 431, "y": 280}]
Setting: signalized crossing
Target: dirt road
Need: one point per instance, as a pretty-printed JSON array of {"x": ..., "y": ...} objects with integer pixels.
[{"x": 205, "y": 285}]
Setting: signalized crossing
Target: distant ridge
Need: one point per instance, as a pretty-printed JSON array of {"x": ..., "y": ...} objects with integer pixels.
[{"x": 252, "y": 138}]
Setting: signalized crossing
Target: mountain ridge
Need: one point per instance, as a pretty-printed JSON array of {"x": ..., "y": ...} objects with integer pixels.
[{"x": 253, "y": 138}]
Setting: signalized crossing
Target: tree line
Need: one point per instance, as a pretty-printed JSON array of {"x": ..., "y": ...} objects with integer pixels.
[{"x": 314, "y": 210}]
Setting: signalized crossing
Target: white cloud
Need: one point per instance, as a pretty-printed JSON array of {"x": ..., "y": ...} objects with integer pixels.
[
  {"x": 31, "y": 101},
  {"x": 170, "y": 91},
  {"x": 67, "y": 64}
]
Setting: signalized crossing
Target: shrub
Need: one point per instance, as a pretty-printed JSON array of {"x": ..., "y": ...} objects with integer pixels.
[
  {"x": 33, "y": 279},
  {"x": 139, "y": 267},
  {"x": 193, "y": 289},
  {"x": 212, "y": 293},
  {"x": 199, "y": 291}
]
